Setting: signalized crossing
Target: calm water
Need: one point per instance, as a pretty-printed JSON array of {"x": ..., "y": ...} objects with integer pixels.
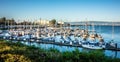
[
  {"x": 113, "y": 54},
  {"x": 105, "y": 31}
]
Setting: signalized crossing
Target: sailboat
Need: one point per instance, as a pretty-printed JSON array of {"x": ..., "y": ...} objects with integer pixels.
[
  {"x": 85, "y": 33},
  {"x": 93, "y": 34},
  {"x": 92, "y": 44},
  {"x": 112, "y": 41}
]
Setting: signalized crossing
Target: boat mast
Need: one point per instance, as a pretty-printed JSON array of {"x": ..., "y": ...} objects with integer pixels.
[
  {"x": 8, "y": 24},
  {"x": 11, "y": 24},
  {"x": 40, "y": 27},
  {"x": 70, "y": 24},
  {"x": 17, "y": 24},
  {"x": 39, "y": 23},
  {"x": 61, "y": 24},
  {"x": 86, "y": 25},
  {"x": 5, "y": 24},
  {"x": 99, "y": 29},
  {"x": 112, "y": 30},
  {"x": 93, "y": 28},
  {"x": 24, "y": 24}
]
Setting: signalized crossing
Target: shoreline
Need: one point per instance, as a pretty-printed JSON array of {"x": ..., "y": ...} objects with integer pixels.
[{"x": 34, "y": 54}]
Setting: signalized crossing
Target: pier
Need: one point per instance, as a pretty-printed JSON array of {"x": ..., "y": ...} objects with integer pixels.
[{"x": 108, "y": 46}]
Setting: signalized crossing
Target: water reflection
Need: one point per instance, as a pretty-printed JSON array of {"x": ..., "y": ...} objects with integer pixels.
[{"x": 113, "y": 54}]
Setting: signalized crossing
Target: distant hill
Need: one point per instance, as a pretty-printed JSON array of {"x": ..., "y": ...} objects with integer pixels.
[{"x": 95, "y": 23}]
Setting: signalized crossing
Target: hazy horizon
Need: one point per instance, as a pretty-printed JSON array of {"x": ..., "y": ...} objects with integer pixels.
[{"x": 66, "y": 10}]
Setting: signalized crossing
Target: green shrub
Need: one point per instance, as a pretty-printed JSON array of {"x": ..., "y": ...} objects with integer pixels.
[{"x": 18, "y": 52}]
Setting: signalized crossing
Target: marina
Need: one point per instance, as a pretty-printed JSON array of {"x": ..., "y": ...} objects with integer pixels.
[
  {"x": 65, "y": 36},
  {"x": 59, "y": 31}
]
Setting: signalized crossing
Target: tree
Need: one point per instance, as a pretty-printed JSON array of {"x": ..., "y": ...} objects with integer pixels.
[
  {"x": 2, "y": 20},
  {"x": 52, "y": 22},
  {"x": 12, "y": 21}
]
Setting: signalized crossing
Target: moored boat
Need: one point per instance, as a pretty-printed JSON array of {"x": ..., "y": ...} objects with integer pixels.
[{"x": 92, "y": 45}]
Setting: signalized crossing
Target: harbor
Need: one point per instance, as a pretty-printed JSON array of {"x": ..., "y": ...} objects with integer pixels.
[
  {"x": 59, "y": 31},
  {"x": 64, "y": 36}
]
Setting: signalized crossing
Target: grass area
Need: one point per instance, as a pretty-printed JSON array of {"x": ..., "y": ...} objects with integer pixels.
[{"x": 18, "y": 52}]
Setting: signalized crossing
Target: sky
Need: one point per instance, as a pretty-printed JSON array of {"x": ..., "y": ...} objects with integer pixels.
[{"x": 65, "y": 10}]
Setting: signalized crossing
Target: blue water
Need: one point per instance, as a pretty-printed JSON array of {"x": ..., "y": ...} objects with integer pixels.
[
  {"x": 105, "y": 31},
  {"x": 109, "y": 53}
]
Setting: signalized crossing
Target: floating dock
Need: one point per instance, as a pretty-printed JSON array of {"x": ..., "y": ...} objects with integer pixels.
[{"x": 108, "y": 46}]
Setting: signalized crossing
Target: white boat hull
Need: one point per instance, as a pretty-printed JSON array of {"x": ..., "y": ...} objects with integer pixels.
[{"x": 91, "y": 46}]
